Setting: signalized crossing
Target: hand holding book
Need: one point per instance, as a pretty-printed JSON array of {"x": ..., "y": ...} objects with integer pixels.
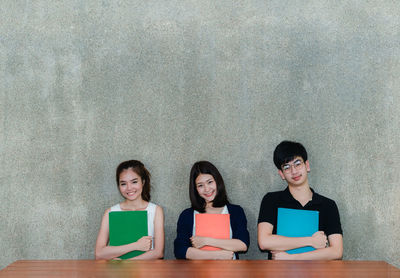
[
  {"x": 319, "y": 240},
  {"x": 199, "y": 241},
  {"x": 144, "y": 243},
  {"x": 208, "y": 228}
]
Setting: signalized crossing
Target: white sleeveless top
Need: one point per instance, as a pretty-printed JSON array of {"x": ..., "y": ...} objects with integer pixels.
[
  {"x": 224, "y": 211},
  {"x": 151, "y": 212}
]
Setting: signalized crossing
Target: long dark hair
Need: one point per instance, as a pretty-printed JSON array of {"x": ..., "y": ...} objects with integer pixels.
[{"x": 206, "y": 167}]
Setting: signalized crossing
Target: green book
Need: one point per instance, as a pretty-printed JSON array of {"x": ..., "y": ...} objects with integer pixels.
[{"x": 127, "y": 227}]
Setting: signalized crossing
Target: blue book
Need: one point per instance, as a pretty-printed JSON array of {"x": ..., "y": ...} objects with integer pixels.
[{"x": 297, "y": 223}]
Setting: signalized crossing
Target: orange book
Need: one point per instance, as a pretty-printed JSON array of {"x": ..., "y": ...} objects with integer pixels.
[{"x": 212, "y": 225}]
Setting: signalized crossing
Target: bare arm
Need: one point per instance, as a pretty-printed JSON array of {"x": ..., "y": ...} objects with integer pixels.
[
  {"x": 269, "y": 241},
  {"x": 158, "y": 251},
  {"x": 105, "y": 252},
  {"x": 197, "y": 254},
  {"x": 333, "y": 252},
  {"x": 233, "y": 244}
]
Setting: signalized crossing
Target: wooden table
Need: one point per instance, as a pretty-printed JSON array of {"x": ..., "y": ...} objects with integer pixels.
[{"x": 201, "y": 269}]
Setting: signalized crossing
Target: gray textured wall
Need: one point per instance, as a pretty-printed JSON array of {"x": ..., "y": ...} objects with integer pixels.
[{"x": 85, "y": 85}]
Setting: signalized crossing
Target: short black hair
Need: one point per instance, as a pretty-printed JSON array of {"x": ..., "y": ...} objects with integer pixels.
[
  {"x": 141, "y": 171},
  {"x": 206, "y": 167},
  {"x": 287, "y": 151}
]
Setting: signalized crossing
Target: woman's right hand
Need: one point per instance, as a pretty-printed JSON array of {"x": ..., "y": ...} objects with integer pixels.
[{"x": 144, "y": 243}]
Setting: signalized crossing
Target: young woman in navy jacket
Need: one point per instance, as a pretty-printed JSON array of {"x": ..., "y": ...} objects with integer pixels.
[{"x": 208, "y": 195}]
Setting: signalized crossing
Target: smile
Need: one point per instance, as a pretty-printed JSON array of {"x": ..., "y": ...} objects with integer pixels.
[
  {"x": 209, "y": 194},
  {"x": 297, "y": 178}
]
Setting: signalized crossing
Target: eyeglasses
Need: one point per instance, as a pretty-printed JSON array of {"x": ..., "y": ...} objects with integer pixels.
[{"x": 297, "y": 165}]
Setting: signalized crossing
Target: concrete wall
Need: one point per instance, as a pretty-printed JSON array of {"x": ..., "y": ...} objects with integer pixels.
[{"x": 85, "y": 85}]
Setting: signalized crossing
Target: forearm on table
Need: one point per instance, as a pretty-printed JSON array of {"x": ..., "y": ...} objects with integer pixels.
[
  {"x": 328, "y": 253},
  {"x": 197, "y": 254},
  {"x": 111, "y": 252},
  {"x": 150, "y": 255},
  {"x": 235, "y": 245},
  {"x": 282, "y": 243}
]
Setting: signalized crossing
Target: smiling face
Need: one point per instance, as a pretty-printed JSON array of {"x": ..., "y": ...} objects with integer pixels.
[
  {"x": 130, "y": 185},
  {"x": 206, "y": 187},
  {"x": 295, "y": 171}
]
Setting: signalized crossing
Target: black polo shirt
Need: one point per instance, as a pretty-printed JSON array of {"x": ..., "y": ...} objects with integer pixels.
[{"x": 329, "y": 219}]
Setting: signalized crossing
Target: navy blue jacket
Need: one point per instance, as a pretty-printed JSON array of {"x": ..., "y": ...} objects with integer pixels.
[{"x": 184, "y": 229}]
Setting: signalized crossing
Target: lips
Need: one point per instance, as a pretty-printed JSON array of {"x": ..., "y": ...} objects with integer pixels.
[
  {"x": 209, "y": 194},
  {"x": 297, "y": 178}
]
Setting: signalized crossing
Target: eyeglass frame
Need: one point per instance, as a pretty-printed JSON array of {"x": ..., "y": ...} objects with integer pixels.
[{"x": 297, "y": 165}]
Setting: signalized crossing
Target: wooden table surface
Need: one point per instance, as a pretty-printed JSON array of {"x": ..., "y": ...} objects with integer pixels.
[{"x": 201, "y": 269}]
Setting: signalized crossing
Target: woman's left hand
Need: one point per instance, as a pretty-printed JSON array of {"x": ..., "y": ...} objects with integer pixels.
[{"x": 198, "y": 241}]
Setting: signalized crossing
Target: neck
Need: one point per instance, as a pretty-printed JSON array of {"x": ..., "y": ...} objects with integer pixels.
[
  {"x": 134, "y": 204},
  {"x": 301, "y": 193},
  {"x": 213, "y": 210}
]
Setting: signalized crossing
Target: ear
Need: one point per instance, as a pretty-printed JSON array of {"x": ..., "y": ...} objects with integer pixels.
[
  {"x": 281, "y": 174},
  {"x": 308, "y": 166}
]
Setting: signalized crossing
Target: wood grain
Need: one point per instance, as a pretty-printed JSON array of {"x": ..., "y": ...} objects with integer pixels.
[{"x": 200, "y": 269}]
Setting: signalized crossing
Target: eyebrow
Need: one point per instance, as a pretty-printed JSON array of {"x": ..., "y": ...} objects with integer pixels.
[
  {"x": 128, "y": 180},
  {"x": 205, "y": 181},
  {"x": 287, "y": 163}
]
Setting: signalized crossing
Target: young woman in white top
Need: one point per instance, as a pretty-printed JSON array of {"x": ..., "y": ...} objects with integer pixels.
[{"x": 133, "y": 181}]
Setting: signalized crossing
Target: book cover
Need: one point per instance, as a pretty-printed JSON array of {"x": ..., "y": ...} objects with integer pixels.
[
  {"x": 212, "y": 225},
  {"x": 127, "y": 227},
  {"x": 297, "y": 223}
]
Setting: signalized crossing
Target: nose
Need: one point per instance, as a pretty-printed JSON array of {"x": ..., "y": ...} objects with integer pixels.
[
  {"x": 293, "y": 169},
  {"x": 130, "y": 185}
]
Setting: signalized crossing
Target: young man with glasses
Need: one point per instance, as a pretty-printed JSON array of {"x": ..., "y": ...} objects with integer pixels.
[{"x": 291, "y": 160}]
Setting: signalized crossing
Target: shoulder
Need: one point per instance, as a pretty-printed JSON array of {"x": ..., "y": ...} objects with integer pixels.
[
  {"x": 116, "y": 207},
  {"x": 187, "y": 213},
  {"x": 107, "y": 211},
  {"x": 273, "y": 196},
  {"x": 234, "y": 208},
  {"x": 156, "y": 208},
  {"x": 152, "y": 206},
  {"x": 186, "y": 217},
  {"x": 325, "y": 200}
]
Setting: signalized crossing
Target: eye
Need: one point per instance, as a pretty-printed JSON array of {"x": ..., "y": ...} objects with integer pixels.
[
  {"x": 199, "y": 185},
  {"x": 297, "y": 163},
  {"x": 285, "y": 167},
  {"x": 122, "y": 184}
]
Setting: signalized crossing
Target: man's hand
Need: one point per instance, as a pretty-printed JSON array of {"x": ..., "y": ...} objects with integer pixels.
[{"x": 319, "y": 240}]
